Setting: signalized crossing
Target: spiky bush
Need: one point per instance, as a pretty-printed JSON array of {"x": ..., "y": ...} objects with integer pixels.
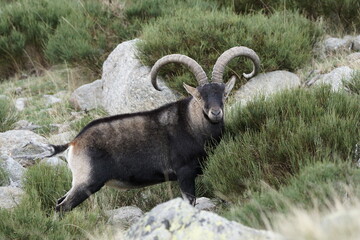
[
  {"x": 45, "y": 184},
  {"x": 316, "y": 185},
  {"x": 271, "y": 140}
]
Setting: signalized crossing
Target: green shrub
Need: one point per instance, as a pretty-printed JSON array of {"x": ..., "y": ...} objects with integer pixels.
[
  {"x": 45, "y": 184},
  {"x": 353, "y": 85},
  {"x": 283, "y": 40},
  {"x": 271, "y": 140},
  {"x": 34, "y": 32},
  {"x": 34, "y": 217},
  {"x": 145, "y": 10},
  {"x": 24, "y": 28},
  {"x": 28, "y": 221},
  {"x": 8, "y": 115},
  {"x": 87, "y": 37},
  {"x": 343, "y": 14},
  {"x": 316, "y": 186}
]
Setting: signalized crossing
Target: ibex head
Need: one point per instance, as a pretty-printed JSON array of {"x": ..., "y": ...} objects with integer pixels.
[{"x": 210, "y": 95}]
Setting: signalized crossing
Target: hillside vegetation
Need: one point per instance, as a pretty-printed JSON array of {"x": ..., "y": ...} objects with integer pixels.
[{"x": 295, "y": 149}]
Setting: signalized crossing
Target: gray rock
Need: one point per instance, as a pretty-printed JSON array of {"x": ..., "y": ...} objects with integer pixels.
[
  {"x": 13, "y": 169},
  {"x": 23, "y": 145},
  {"x": 126, "y": 83},
  {"x": 204, "y": 203},
  {"x": 356, "y": 43},
  {"x": 64, "y": 127},
  {"x": 62, "y": 95},
  {"x": 124, "y": 216},
  {"x": 62, "y": 138},
  {"x": 354, "y": 57},
  {"x": 25, "y": 125},
  {"x": 266, "y": 84},
  {"x": 336, "y": 44},
  {"x": 53, "y": 161},
  {"x": 88, "y": 96},
  {"x": 334, "y": 78},
  {"x": 177, "y": 219},
  {"x": 20, "y": 103},
  {"x": 10, "y": 197},
  {"x": 51, "y": 100}
]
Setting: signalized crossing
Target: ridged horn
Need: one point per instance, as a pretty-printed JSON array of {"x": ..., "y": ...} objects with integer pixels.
[
  {"x": 228, "y": 55},
  {"x": 195, "y": 68}
]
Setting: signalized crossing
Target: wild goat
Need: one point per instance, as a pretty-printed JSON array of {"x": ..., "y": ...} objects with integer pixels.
[{"x": 166, "y": 144}]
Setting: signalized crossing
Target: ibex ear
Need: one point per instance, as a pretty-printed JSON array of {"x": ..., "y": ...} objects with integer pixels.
[
  {"x": 229, "y": 86},
  {"x": 193, "y": 91}
]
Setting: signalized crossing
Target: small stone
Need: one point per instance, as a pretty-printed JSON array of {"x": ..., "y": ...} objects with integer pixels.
[
  {"x": 204, "y": 203},
  {"x": 51, "y": 100},
  {"x": 354, "y": 57},
  {"x": 336, "y": 44},
  {"x": 10, "y": 197},
  {"x": 356, "y": 43},
  {"x": 88, "y": 96},
  {"x": 25, "y": 125},
  {"x": 335, "y": 78},
  {"x": 62, "y": 138},
  {"x": 24, "y": 146},
  {"x": 13, "y": 169},
  {"x": 124, "y": 216},
  {"x": 266, "y": 84},
  {"x": 53, "y": 161},
  {"x": 20, "y": 103}
]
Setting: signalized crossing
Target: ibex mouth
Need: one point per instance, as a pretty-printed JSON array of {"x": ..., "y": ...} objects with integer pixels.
[{"x": 215, "y": 115}]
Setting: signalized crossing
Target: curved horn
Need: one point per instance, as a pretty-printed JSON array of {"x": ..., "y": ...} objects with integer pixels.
[
  {"x": 228, "y": 55},
  {"x": 195, "y": 68}
]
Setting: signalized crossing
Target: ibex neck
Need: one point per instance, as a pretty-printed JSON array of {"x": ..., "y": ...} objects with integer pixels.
[{"x": 200, "y": 125}]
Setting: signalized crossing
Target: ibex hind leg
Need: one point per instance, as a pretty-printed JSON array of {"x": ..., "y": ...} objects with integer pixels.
[{"x": 77, "y": 195}]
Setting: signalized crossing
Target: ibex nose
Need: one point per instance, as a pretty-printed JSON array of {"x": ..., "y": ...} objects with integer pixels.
[{"x": 215, "y": 112}]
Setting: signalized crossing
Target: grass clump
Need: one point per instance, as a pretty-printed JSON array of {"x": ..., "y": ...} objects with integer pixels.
[
  {"x": 342, "y": 14},
  {"x": 35, "y": 33},
  {"x": 283, "y": 40},
  {"x": 314, "y": 186},
  {"x": 272, "y": 140},
  {"x": 47, "y": 183},
  {"x": 34, "y": 218},
  {"x": 8, "y": 114},
  {"x": 337, "y": 221},
  {"x": 353, "y": 85}
]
